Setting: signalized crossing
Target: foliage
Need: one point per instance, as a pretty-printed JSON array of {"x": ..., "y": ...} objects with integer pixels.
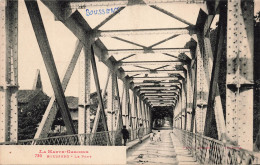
[{"x": 30, "y": 115}]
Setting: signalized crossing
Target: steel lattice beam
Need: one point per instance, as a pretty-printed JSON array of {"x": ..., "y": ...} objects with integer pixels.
[
  {"x": 240, "y": 69},
  {"x": 9, "y": 71}
]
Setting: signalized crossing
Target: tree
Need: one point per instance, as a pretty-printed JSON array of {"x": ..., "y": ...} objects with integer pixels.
[{"x": 30, "y": 116}]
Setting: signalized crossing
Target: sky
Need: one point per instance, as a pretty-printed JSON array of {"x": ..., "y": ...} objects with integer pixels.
[{"x": 63, "y": 42}]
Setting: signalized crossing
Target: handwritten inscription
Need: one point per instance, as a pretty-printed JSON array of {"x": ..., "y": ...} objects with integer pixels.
[{"x": 101, "y": 11}]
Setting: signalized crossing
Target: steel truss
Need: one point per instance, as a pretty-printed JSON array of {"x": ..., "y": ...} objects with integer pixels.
[{"x": 192, "y": 90}]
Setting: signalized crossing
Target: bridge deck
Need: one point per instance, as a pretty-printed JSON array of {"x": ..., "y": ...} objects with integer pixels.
[{"x": 167, "y": 151}]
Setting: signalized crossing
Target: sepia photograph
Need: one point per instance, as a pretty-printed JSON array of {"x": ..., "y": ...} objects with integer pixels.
[{"x": 130, "y": 82}]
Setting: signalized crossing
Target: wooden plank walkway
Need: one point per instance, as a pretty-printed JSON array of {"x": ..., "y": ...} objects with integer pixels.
[{"x": 162, "y": 152}]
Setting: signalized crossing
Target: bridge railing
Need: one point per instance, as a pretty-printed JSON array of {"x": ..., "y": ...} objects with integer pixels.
[
  {"x": 211, "y": 151},
  {"x": 98, "y": 139}
]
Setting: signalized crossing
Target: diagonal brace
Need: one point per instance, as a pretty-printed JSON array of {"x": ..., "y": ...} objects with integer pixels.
[{"x": 41, "y": 36}]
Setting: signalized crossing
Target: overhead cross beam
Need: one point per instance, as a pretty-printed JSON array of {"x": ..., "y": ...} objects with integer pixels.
[
  {"x": 79, "y": 4},
  {"x": 138, "y": 32},
  {"x": 154, "y": 50},
  {"x": 170, "y": 63},
  {"x": 153, "y": 71},
  {"x": 156, "y": 88}
]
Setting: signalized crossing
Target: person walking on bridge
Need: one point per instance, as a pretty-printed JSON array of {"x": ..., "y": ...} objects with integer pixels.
[
  {"x": 125, "y": 133},
  {"x": 140, "y": 133}
]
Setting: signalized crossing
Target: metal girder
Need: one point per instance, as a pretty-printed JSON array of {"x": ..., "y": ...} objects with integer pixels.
[
  {"x": 98, "y": 113},
  {"x": 110, "y": 102},
  {"x": 161, "y": 94},
  {"x": 202, "y": 87},
  {"x": 182, "y": 56},
  {"x": 171, "y": 15},
  {"x": 194, "y": 100},
  {"x": 100, "y": 99},
  {"x": 126, "y": 57},
  {"x": 145, "y": 115},
  {"x": 119, "y": 120},
  {"x": 162, "y": 105},
  {"x": 136, "y": 115},
  {"x": 100, "y": 54},
  {"x": 162, "y": 101},
  {"x": 131, "y": 32},
  {"x": 164, "y": 40},
  {"x": 108, "y": 18},
  {"x": 189, "y": 97},
  {"x": 213, "y": 6},
  {"x": 158, "y": 99},
  {"x": 156, "y": 88},
  {"x": 161, "y": 97},
  {"x": 81, "y": 4},
  {"x": 207, "y": 25},
  {"x": 144, "y": 51},
  {"x": 139, "y": 110},
  {"x": 153, "y": 72},
  {"x": 84, "y": 91},
  {"x": 159, "y": 83},
  {"x": 154, "y": 78},
  {"x": 240, "y": 72},
  {"x": 129, "y": 42},
  {"x": 158, "y": 91},
  {"x": 130, "y": 63},
  {"x": 184, "y": 102},
  {"x": 127, "y": 109},
  {"x": 46, "y": 52},
  {"x": 214, "y": 100},
  {"x": 9, "y": 71},
  {"x": 71, "y": 21},
  {"x": 134, "y": 102},
  {"x": 51, "y": 111},
  {"x": 143, "y": 75}
]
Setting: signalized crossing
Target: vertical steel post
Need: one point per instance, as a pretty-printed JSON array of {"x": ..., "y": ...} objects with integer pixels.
[
  {"x": 189, "y": 98},
  {"x": 184, "y": 103},
  {"x": 240, "y": 69},
  {"x": 194, "y": 100},
  {"x": 111, "y": 102},
  {"x": 119, "y": 121},
  {"x": 84, "y": 91},
  {"x": 9, "y": 71},
  {"x": 202, "y": 88},
  {"x": 136, "y": 109},
  {"x": 127, "y": 109}
]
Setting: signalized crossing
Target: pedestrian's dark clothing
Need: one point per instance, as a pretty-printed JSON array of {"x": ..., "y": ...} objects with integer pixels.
[{"x": 125, "y": 135}]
